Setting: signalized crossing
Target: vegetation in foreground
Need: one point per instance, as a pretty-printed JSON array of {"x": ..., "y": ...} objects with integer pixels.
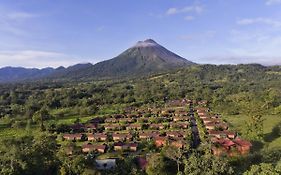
[{"x": 246, "y": 95}]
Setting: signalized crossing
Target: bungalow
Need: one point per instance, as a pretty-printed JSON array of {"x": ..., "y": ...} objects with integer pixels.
[
  {"x": 142, "y": 120},
  {"x": 210, "y": 120},
  {"x": 117, "y": 116},
  {"x": 132, "y": 146},
  {"x": 225, "y": 143},
  {"x": 214, "y": 125},
  {"x": 111, "y": 120},
  {"x": 203, "y": 102},
  {"x": 222, "y": 134},
  {"x": 97, "y": 137},
  {"x": 243, "y": 146},
  {"x": 127, "y": 120},
  {"x": 148, "y": 135},
  {"x": 184, "y": 118},
  {"x": 156, "y": 126},
  {"x": 174, "y": 134},
  {"x": 131, "y": 115},
  {"x": 179, "y": 125},
  {"x": 90, "y": 148},
  {"x": 72, "y": 136},
  {"x": 120, "y": 146},
  {"x": 178, "y": 143},
  {"x": 134, "y": 127},
  {"x": 160, "y": 141},
  {"x": 113, "y": 127},
  {"x": 121, "y": 137}
]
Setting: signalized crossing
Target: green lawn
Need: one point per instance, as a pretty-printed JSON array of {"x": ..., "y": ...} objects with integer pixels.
[{"x": 238, "y": 123}]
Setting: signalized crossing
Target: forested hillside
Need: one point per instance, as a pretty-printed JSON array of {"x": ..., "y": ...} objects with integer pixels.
[{"x": 235, "y": 91}]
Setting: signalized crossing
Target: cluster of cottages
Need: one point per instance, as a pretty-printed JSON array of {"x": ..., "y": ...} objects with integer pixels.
[
  {"x": 223, "y": 140},
  {"x": 130, "y": 131},
  {"x": 172, "y": 125}
]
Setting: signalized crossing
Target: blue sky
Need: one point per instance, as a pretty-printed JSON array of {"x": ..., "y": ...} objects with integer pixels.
[{"x": 41, "y": 33}]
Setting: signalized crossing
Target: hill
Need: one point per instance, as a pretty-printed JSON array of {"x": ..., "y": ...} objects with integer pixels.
[{"x": 144, "y": 58}]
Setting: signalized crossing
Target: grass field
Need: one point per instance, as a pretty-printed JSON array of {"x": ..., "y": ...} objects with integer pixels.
[{"x": 238, "y": 123}]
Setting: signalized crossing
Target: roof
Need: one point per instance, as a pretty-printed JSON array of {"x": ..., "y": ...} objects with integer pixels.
[{"x": 241, "y": 142}]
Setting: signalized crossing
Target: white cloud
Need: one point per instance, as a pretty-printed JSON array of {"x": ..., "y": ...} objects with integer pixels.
[
  {"x": 272, "y": 2},
  {"x": 267, "y": 21},
  {"x": 260, "y": 46},
  {"x": 13, "y": 22},
  {"x": 35, "y": 58},
  {"x": 188, "y": 9},
  {"x": 240, "y": 59},
  {"x": 189, "y": 18}
]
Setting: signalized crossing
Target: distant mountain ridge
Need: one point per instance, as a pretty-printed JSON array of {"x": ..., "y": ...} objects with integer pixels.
[
  {"x": 11, "y": 74},
  {"x": 145, "y": 57}
]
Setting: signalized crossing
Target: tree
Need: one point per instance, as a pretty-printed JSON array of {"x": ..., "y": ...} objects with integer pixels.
[
  {"x": 263, "y": 169},
  {"x": 207, "y": 164},
  {"x": 156, "y": 165},
  {"x": 40, "y": 116},
  {"x": 175, "y": 154}
]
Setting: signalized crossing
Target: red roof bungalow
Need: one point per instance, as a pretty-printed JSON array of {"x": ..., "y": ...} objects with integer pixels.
[
  {"x": 222, "y": 134},
  {"x": 177, "y": 143},
  {"x": 97, "y": 137},
  {"x": 127, "y": 120},
  {"x": 213, "y": 125},
  {"x": 117, "y": 116},
  {"x": 113, "y": 127},
  {"x": 72, "y": 136},
  {"x": 160, "y": 141},
  {"x": 180, "y": 125},
  {"x": 174, "y": 134},
  {"x": 90, "y": 148},
  {"x": 111, "y": 120},
  {"x": 226, "y": 144},
  {"x": 210, "y": 120},
  {"x": 184, "y": 118},
  {"x": 243, "y": 146},
  {"x": 134, "y": 127},
  {"x": 148, "y": 135},
  {"x": 125, "y": 146},
  {"x": 142, "y": 120},
  {"x": 121, "y": 137},
  {"x": 156, "y": 126},
  {"x": 203, "y": 102}
]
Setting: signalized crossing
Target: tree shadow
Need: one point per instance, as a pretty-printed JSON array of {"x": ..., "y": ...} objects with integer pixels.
[{"x": 274, "y": 134}]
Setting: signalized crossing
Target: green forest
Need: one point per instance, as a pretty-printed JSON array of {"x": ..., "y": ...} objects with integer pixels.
[{"x": 248, "y": 97}]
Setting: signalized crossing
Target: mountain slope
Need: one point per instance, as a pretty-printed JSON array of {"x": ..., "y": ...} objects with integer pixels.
[
  {"x": 143, "y": 58},
  {"x": 12, "y": 74}
]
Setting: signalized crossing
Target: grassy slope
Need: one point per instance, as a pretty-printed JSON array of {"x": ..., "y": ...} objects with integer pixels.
[{"x": 238, "y": 123}]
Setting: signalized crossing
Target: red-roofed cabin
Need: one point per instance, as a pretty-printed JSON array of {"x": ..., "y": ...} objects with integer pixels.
[
  {"x": 243, "y": 146},
  {"x": 72, "y": 136},
  {"x": 148, "y": 135},
  {"x": 160, "y": 141},
  {"x": 97, "y": 137},
  {"x": 123, "y": 146},
  {"x": 90, "y": 148},
  {"x": 121, "y": 137}
]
